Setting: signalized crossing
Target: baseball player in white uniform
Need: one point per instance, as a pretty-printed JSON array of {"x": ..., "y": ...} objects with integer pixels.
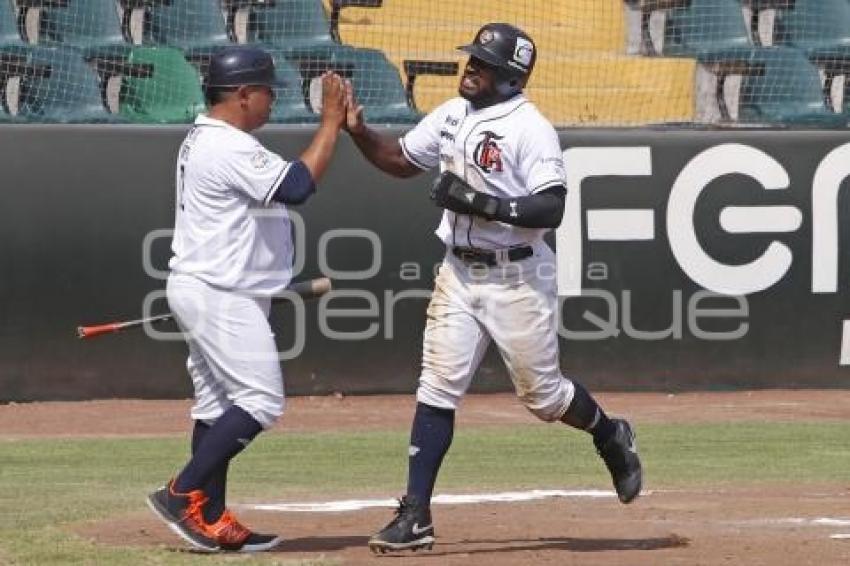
[
  {"x": 502, "y": 185},
  {"x": 232, "y": 253}
]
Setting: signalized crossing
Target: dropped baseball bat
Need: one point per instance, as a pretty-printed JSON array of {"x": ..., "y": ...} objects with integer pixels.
[{"x": 309, "y": 289}]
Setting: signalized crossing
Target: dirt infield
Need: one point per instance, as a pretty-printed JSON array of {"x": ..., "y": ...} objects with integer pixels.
[
  {"x": 305, "y": 414},
  {"x": 665, "y": 528},
  {"x": 767, "y": 525}
]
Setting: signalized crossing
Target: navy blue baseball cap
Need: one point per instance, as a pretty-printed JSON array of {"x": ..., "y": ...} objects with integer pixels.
[{"x": 242, "y": 65}]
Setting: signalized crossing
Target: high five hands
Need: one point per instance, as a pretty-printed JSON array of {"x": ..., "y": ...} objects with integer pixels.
[{"x": 339, "y": 105}]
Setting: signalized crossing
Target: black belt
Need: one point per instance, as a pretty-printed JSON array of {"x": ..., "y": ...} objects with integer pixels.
[{"x": 492, "y": 257}]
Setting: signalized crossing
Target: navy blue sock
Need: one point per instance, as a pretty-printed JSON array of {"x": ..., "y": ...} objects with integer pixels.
[
  {"x": 585, "y": 413},
  {"x": 230, "y": 434},
  {"x": 216, "y": 488},
  {"x": 430, "y": 438}
]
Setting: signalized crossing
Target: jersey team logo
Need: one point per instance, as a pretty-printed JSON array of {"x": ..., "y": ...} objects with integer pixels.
[{"x": 487, "y": 154}]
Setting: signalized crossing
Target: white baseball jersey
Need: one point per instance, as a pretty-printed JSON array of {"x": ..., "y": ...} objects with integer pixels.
[
  {"x": 228, "y": 232},
  {"x": 506, "y": 150}
]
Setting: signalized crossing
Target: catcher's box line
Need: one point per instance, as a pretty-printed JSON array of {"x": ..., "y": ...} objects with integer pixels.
[{"x": 306, "y": 289}]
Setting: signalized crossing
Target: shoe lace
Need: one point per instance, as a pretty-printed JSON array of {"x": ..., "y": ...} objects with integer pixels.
[
  {"x": 229, "y": 529},
  {"x": 404, "y": 506},
  {"x": 194, "y": 510}
]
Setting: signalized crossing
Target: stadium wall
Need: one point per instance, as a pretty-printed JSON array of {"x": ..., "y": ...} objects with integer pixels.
[{"x": 656, "y": 220}]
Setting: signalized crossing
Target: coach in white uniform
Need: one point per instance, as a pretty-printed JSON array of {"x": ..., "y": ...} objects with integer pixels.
[
  {"x": 502, "y": 185},
  {"x": 232, "y": 253}
]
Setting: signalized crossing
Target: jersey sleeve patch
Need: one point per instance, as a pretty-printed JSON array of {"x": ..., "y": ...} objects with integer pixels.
[
  {"x": 254, "y": 170},
  {"x": 260, "y": 159},
  {"x": 542, "y": 161}
]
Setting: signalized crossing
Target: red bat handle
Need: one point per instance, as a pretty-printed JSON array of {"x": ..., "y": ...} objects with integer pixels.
[
  {"x": 97, "y": 330},
  {"x": 307, "y": 289},
  {"x": 91, "y": 331}
]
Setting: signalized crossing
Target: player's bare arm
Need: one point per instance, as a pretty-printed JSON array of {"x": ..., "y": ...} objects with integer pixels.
[
  {"x": 303, "y": 174},
  {"x": 317, "y": 156},
  {"x": 381, "y": 151}
]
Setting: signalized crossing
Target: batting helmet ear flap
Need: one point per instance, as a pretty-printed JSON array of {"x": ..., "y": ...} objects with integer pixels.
[{"x": 509, "y": 87}]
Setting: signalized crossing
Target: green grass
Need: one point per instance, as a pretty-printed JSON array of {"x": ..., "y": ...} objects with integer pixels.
[{"x": 46, "y": 485}]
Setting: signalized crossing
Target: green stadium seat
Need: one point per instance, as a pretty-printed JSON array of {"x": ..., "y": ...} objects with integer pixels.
[
  {"x": 183, "y": 23},
  {"x": 80, "y": 23},
  {"x": 821, "y": 28},
  {"x": 290, "y": 105},
  {"x": 12, "y": 55},
  {"x": 376, "y": 81},
  {"x": 9, "y": 25},
  {"x": 163, "y": 87},
  {"x": 282, "y": 23},
  {"x": 58, "y": 85},
  {"x": 13, "y": 65},
  {"x": 704, "y": 25},
  {"x": 811, "y": 24},
  {"x": 779, "y": 86}
]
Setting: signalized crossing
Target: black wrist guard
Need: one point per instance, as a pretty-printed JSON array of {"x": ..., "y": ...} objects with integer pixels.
[{"x": 453, "y": 193}]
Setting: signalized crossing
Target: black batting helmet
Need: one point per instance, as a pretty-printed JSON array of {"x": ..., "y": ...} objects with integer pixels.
[
  {"x": 509, "y": 49},
  {"x": 241, "y": 65}
]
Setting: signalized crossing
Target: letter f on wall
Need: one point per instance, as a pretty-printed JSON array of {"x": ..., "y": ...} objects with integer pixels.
[{"x": 609, "y": 224}]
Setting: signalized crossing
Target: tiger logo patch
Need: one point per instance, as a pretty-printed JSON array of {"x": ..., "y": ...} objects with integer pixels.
[{"x": 488, "y": 154}]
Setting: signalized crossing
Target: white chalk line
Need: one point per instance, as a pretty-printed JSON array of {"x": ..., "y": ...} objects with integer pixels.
[
  {"x": 801, "y": 522},
  {"x": 443, "y": 499},
  {"x": 344, "y": 505}
]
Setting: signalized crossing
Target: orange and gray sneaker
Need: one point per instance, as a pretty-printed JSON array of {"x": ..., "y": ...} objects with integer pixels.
[
  {"x": 183, "y": 513},
  {"x": 233, "y": 536}
]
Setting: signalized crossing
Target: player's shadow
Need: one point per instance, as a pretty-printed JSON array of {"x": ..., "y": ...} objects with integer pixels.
[
  {"x": 322, "y": 544},
  {"x": 488, "y": 546},
  {"x": 482, "y": 546}
]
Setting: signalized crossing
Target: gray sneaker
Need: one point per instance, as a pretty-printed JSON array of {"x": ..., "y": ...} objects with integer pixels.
[
  {"x": 621, "y": 458},
  {"x": 411, "y": 529},
  {"x": 183, "y": 513},
  {"x": 233, "y": 536}
]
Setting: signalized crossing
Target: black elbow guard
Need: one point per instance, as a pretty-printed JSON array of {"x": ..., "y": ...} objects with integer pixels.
[{"x": 542, "y": 210}]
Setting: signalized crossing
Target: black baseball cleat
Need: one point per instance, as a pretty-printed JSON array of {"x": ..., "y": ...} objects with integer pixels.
[
  {"x": 621, "y": 458},
  {"x": 183, "y": 513},
  {"x": 411, "y": 529}
]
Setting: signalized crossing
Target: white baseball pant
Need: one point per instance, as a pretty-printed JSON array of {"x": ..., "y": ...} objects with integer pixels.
[
  {"x": 516, "y": 306},
  {"x": 233, "y": 358}
]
